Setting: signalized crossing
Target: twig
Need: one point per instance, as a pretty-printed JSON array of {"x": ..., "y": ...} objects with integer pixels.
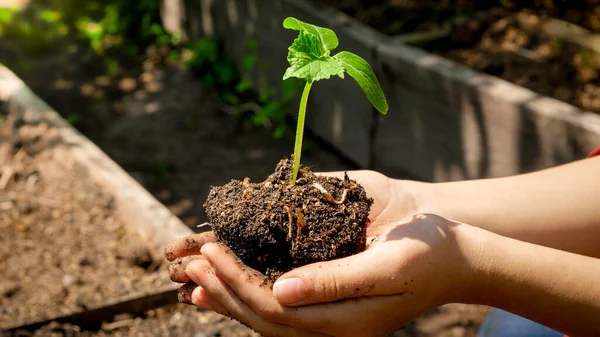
[
  {"x": 6, "y": 205},
  {"x": 291, "y": 221},
  {"x": 328, "y": 195},
  {"x": 301, "y": 222},
  {"x": 7, "y": 173},
  {"x": 30, "y": 182},
  {"x": 19, "y": 156},
  {"x": 324, "y": 235},
  {"x": 118, "y": 324},
  {"x": 48, "y": 202}
]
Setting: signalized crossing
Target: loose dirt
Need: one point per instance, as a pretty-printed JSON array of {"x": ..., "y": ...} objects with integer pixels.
[
  {"x": 61, "y": 247},
  {"x": 274, "y": 226}
]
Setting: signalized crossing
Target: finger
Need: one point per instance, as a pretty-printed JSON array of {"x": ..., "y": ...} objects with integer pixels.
[
  {"x": 203, "y": 274},
  {"x": 201, "y": 299},
  {"x": 249, "y": 286},
  {"x": 189, "y": 245},
  {"x": 329, "y": 318},
  {"x": 372, "y": 316},
  {"x": 363, "y": 274},
  {"x": 184, "y": 293},
  {"x": 177, "y": 268},
  {"x": 193, "y": 294}
]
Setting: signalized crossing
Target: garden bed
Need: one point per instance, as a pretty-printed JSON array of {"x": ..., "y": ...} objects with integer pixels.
[
  {"x": 537, "y": 46},
  {"x": 77, "y": 262},
  {"x": 63, "y": 247}
]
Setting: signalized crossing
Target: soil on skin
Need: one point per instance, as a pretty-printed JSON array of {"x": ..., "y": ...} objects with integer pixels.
[
  {"x": 274, "y": 226},
  {"x": 505, "y": 39},
  {"x": 62, "y": 248}
]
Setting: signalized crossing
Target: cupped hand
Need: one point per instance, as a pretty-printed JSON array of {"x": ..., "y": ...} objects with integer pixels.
[
  {"x": 413, "y": 263},
  {"x": 413, "y": 266},
  {"x": 391, "y": 201}
]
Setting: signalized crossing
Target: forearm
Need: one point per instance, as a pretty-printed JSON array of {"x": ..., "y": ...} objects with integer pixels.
[
  {"x": 555, "y": 288},
  {"x": 558, "y": 207}
]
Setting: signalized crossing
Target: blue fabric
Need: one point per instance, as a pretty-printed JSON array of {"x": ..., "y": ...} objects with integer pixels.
[{"x": 501, "y": 323}]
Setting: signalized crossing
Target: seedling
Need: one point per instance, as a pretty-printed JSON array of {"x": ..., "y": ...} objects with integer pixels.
[
  {"x": 268, "y": 225},
  {"x": 310, "y": 60}
]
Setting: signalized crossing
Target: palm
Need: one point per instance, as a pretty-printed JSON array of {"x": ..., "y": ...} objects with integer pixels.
[{"x": 387, "y": 194}]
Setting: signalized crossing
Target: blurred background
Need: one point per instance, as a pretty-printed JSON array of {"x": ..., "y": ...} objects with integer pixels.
[{"x": 181, "y": 96}]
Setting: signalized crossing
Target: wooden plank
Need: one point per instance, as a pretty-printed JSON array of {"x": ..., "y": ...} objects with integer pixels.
[{"x": 92, "y": 318}]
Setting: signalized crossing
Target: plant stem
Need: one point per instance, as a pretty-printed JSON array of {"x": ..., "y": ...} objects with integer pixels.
[{"x": 300, "y": 131}]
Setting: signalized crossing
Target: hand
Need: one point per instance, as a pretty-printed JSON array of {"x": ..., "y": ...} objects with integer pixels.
[
  {"x": 391, "y": 281},
  {"x": 415, "y": 265},
  {"x": 393, "y": 200}
]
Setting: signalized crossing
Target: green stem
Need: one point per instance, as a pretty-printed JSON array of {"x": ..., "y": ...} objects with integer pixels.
[{"x": 300, "y": 131}]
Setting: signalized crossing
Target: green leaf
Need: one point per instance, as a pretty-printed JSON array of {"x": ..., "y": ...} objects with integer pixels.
[
  {"x": 49, "y": 16},
  {"x": 249, "y": 61},
  {"x": 280, "y": 131},
  {"x": 363, "y": 74},
  {"x": 229, "y": 98},
  {"x": 252, "y": 44},
  {"x": 309, "y": 61},
  {"x": 6, "y": 14},
  {"x": 326, "y": 37},
  {"x": 244, "y": 85}
]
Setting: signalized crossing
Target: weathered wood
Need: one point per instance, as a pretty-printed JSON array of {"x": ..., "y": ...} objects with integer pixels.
[
  {"x": 449, "y": 122},
  {"x": 133, "y": 304}
]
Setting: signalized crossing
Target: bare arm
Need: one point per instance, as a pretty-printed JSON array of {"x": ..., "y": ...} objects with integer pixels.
[
  {"x": 555, "y": 288},
  {"x": 557, "y": 207}
]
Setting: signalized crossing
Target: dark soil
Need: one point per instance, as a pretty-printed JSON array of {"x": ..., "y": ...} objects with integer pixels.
[
  {"x": 507, "y": 39},
  {"x": 62, "y": 249},
  {"x": 274, "y": 226}
]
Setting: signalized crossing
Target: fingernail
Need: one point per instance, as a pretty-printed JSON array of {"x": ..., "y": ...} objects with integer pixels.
[
  {"x": 289, "y": 291},
  {"x": 192, "y": 266}
]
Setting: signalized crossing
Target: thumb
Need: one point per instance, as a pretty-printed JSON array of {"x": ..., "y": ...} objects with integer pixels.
[{"x": 355, "y": 276}]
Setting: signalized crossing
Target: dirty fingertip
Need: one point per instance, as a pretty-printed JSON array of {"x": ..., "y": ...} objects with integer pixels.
[
  {"x": 184, "y": 293},
  {"x": 168, "y": 252}
]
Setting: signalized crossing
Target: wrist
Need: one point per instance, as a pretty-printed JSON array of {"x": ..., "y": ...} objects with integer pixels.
[
  {"x": 476, "y": 250},
  {"x": 430, "y": 198}
]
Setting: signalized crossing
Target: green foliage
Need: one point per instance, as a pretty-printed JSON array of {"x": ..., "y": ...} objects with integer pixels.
[
  {"x": 50, "y": 16},
  {"x": 73, "y": 119},
  {"x": 362, "y": 73},
  {"x": 326, "y": 36},
  {"x": 115, "y": 33},
  {"x": 250, "y": 106},
  {"x": 6, "y": 15},
  {"x": 310, "y": 60}
]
